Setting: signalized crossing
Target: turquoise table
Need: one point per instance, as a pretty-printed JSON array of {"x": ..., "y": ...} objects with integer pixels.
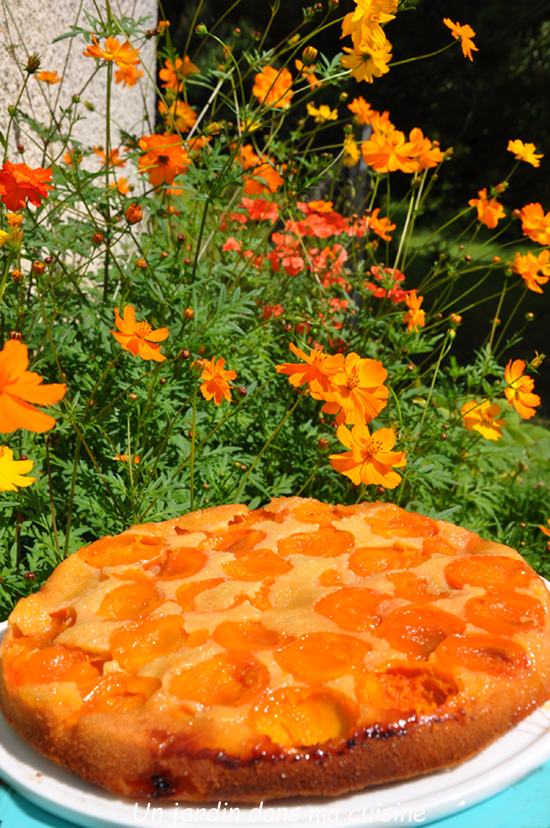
[{"x": 524, "y": 805}]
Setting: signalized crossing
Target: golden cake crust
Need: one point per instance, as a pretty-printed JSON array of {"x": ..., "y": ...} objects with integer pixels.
[{"x": 302, "y": 649}]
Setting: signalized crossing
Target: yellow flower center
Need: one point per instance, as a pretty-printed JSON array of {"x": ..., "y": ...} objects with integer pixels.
[{"x": 143, "y": 329}]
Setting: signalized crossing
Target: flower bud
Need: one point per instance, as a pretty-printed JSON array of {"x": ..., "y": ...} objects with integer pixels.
[
  {"x": 134, "y": 214},
  {"x": 237, "y": 30},
  {"x": 456, "y": 318},
  {"x": 411, "y": 366},
  {"x": 241, "y": 391},
  {"x": 33, "y": 64},
  {"x": 529, "y": 317},
  {"x": 309, "y": 55},
  {"x": 197, "y": 367},
  {"x": 496, "y": 259},
  {"x": 516, "y": 213},
  {"x": 142, "y": 264},
  {"x": 188, "y": 313},
  {"x": 213, "y": 128},
  {"x": 15, "y": 335},
  {"x": 380, "y": 490},
  {"x": 287, "y": 327},
  {"x": 97, "y": 239},
  {"x": 48, "y": 260},
  {"x": 17, "y": 276},
  {"x": 38, "y": 268},
  {"x": 187, "y": 262},
  {"x": 451, "y": 333},
  {"x": 184, "y": 353},
  {"x": 201, "y": 30},
  {"x": 163, "y": 254},
  {"x": 75, "y": 99},
  {"x": 292, "y": 41},
  {"x": 333, "y": 4},
  {"x": 29, "y": 576},
  {"x": 537, "y": 360},
  {"x": 322, "y": 444},
  {"x": 181, "y": 239},
  {"x": 20, "y": 148},
  {"x": 318, "y": 7},
  {"x": 348, "y": 129},
  {"x": 132, "y": 398}
]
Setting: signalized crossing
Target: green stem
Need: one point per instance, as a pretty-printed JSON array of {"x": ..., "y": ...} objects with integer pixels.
[
  {"x": 5, "y": 276},
  {"x": 71, "y": 495},
  {"x": 13, "y": 110},
  {"x": 192, "y": 462},
  {"x": 494, "y": 326},
  {"x": 442, "y": 353},
  {"x": 266, "y": 446}
]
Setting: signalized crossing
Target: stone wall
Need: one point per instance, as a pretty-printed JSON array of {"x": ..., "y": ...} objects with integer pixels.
[{"x": 30, "y": 26}]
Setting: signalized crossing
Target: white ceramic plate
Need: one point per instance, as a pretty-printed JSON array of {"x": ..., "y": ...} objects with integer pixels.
[{"x": 416, "y": 802}]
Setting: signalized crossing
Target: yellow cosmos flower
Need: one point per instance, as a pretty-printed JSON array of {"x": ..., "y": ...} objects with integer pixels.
[
  {"x": 322, "y": 114},
  {"x": 368, "y": 15},
  {"x": 481, "y": 417},
  {"x": 369, "y": 59},
  {"x": 464, "y": 34},
  {"x": 524, "y": 152},
  {"x": 352, "y": 153},
  {"x": 11, "y": 471},
  {"x": 370, "y": 459}
]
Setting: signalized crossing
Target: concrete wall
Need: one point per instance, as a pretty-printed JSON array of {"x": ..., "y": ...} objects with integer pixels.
[{"x": 30, "y": 26}]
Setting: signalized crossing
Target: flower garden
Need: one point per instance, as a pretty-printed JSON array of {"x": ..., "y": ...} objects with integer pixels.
[{"x": 247, "y": 302}]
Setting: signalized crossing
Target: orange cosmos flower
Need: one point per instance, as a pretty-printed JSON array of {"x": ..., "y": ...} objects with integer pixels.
[
  {"x": 272, "y": 87},
  {"x": 134, "y": 213},
  {"x": 19, "y": 183},
  {"x": 535, "y": 223},
  {"x": 464, "y": 34},
  {"x": 489, "y": 210},
  {"x": 121, "y": 185},
  {"x": 128, "y": 75},
  {"x": 357, "y": 392},
  {"x": 72, "y": 157},
  {"x": 519, "y": 391},
  {"x": 381, "y": 226},
  {"x": 138, "y": 337},
  {"x": 49, "y": 77},
  {"x": 174, "y": 73},
  {"x": 544, "y": 529},
  {"x": 180, "y": 114},
  {"x": 215, "y": 381},
  {"x": 528, "y": 267},
  {"x": 524, "y": 152},
  {"x": 124, "y": 458},
  {"x": 19, "y": 388},
  {"x": 114, "y": 157},
  {"x": 361, "y": 109},
  {"x": 481, "y": 417},
  {"x": 370, "y": 459},
  {"x": 414, "y": 317},
  {"x": 123, "y": 54},
  {"x": 426, "y": 153},
  {"x": 308, "y": 73},
  {"x": 164, "y": 158},
  {"x": 369, "y": 59},
  {"x": 390, "y": 152},
  {"x": 318, "y": 371},
  {"x": 11, "y": 471}
]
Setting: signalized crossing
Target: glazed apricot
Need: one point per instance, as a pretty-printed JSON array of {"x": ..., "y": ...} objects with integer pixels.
[
  {"x": 325, "y": 543},
  {"x": 183, "y": 562},
  {"x": 117, "y": 693},
  {"x": 186, "y": 594},
  {"x": 411, "y": 586},
  {"x": 352, "y": 608},
  {"x": 407, "y": 689},
  {"x": 371, "y": 559},
  {"x": 57, "y": 663},
  {"x": 488, "y": 571},
  {"x": 482, "y": 653},
  {"x": 246, "y": 636},
  {"x": 257, "y": 565},
  {"x": 314, "y": 512},
  {"x": 230, "y": 679},
  {"x": 403, "y": 525},
  {"x": 321, "y": 656},
  {"x": 417, "y": 629},
  {"x": 129, "y": 600},
  {"x": 237, "y": 539},
  {"x": 137, "y": 644},
  {"x": 505, "y": 612},
  {"x": 298, "y": 716},
  {"x": 134, "y": 548}
]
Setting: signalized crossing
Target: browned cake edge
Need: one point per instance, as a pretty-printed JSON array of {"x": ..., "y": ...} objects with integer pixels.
[{"x": 110, "y": 751}]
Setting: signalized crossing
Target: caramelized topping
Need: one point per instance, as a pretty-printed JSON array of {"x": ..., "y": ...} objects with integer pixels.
[
  {"x": 321, "y": 656},
  {"x": 372, "y": 559},
  {"x": 184, "y": 562},
  {"x": 352, "y": 608},
  {"x": 417, "y": 630},
  {"x": 130, "y": 600},
  {"x": 257, "y": 565},
  {"x": 145, "y": 550},
  {"x": 325, "y": 543},
  {"x": 247, "y": 636},
  {"x": 487, "y": 571},
  {"x": 138, "y": 644},
  {"x": 407, "y": 690},
  {"x": 229, "y": 678},
  {"x": 482, "y": 653},
  {"x": 505, "y": 612}
]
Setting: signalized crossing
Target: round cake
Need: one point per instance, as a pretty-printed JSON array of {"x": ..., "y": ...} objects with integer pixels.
[{"x": 298, "y": 649}]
